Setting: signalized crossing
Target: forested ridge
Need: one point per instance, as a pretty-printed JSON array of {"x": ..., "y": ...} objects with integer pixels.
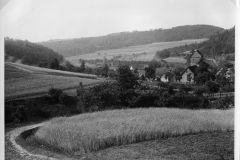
[
  {"x": 29, "y": 53},
  {"x": 218, "y": 44},
  {"x": 72, "y": 47}
]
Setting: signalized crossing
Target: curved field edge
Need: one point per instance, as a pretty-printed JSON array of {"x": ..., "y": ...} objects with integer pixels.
[
  {"x": 16, "y": 150},
  {"x": 96, "y": 131},
  {"x": 208, "y": 145}
]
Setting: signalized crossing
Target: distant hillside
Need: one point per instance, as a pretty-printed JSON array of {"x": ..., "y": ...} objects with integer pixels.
[
  {"x": 80, "y": 46},
  {"x": 220, "y": 43},
  {"x": 29, "y": 53}
]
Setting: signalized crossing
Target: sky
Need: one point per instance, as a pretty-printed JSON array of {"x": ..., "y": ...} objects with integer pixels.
[{"x": 42, "y": 20}]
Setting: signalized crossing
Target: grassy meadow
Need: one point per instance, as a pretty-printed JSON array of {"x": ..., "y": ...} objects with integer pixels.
[
  {"x": 95, "y": 131},
  {"x": 23, "y": 80},
  {"x": 132, "y": 53}
]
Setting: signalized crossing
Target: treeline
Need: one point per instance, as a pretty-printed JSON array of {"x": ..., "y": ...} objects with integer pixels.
[
  {"x": 220, "y": 43},
  {"x": 30, "y": 53},
  {"x": 74, "y": 47}
]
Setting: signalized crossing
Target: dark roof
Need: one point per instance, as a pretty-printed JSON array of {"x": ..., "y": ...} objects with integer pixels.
[
  {"x": 161, "y": 70},
  {"x": 211, "y": 62},
  {"x": 188, "y": 56},
  {"x": 191, "y": 68}
]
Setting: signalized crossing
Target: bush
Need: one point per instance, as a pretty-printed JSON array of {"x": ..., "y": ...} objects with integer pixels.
[
  {"x": 101, "y": 96},
  {"x": 185, "y": 88},
  {"x": 67, "y": 100},
  {"x": 19, "y": 115},
  {"x": 223, "y": 103},
  {"x": 199, "y": 90},
  {"x": 213, "y": 87},
  {"x": 228, "y": 88},
  {"x": 55, "y": 94},
  {"x": 145, "y": 100},
  {"x": 187, "y": 101}
]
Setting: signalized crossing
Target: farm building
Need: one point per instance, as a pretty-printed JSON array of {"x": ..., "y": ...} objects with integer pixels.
[
  {"x": 194, "y": 58},
  {"x": 165, "y": 74},
  {"x": 188, "y": 75}
]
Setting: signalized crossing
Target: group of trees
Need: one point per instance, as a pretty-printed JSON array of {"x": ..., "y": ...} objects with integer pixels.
[
  {"x": 218, "y": 44},
  {"x": 31, "y": 53}
]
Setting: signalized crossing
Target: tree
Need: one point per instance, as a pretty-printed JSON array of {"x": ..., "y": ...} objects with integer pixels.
[
  {"x": 178, "y": 73},
  {"x": 105, "y": 70},
  {"x": 150, "y": 72},
  {"x": 203, "y": 74},
  {"x": 54, "y": 64},
  {"x": 163, "y": 54},
  {"x": 55, "y": 94},
  {"x": 126, "y": 78},
  {"x": 80, "y": 95},
  {"x": 82, "y": 66},
  {"x": 213, "y": 87},
  {"x": 169, "y": 75}
]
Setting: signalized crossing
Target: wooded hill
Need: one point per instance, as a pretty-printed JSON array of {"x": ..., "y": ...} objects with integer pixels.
[
  {"x": 29, "y": 53},
  {"x": 72, "y": 47},
  {"x": 218, "y": 44}
]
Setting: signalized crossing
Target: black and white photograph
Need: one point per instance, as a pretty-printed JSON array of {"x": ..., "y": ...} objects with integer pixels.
[{"x": 119, "y": 79}]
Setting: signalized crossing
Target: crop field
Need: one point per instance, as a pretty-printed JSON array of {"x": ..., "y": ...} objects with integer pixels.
[
  {"x": 99, "y": 130},
  {"x": 22, "y": 80},
  {"x": 132, "y": 53}
]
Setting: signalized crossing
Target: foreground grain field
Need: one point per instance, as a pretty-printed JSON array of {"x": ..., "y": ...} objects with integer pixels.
[
  {"x": 95, "y": 131},
  {"x": 132, "y": 53},
  {"x": 22, "y": 80}
]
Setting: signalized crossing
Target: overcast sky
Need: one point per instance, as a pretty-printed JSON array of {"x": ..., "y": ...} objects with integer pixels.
[{"x": 40, "y": 20}]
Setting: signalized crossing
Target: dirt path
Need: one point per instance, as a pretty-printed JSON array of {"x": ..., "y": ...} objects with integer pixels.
[{"x": 15, "y": 151}]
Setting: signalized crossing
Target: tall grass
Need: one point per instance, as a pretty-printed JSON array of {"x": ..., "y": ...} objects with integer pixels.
[{"x": 95, "y": 131}]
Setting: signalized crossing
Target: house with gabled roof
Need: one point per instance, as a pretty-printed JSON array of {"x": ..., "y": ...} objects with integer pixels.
[
  {"x": 194, "y": 58},
  {"x": 189, "y": 74}
]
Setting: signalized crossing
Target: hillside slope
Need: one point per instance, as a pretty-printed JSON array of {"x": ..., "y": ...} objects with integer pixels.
[
  {"x": 24, "y": 81},
  {"x": 29, "y": 53},
  {"x": 221, "y": 43},
  {"x": 72, "y": 47},
  {"x": 144, "y": 52}
]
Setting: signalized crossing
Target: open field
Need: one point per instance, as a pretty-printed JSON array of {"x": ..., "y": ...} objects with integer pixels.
[
  {"x": 23, "y": 80},
  {"x": 132, "y": 53},
  {"x": 95, "y": 131},
  {"x": 39, "y": 70}
]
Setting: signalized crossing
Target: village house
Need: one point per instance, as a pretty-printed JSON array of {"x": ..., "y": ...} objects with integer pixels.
[
  {"x": 165, "y": 74},
  {"x": 194, "y": 58},
  {"x": 191, "y": 61},
  {"x": 188, "y": 75}
]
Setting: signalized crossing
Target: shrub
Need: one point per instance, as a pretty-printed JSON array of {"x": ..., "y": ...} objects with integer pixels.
[
  {"x": 67, "y": 100},
  {"x": 213, "y": 87},
  {"x": 223, "y": 103},
  {"x": 103, "y": 96},
  {"x": 145, "y": 100},
  {"x": 199, "y": 90},
  {"x": 127, "y": 97},
  {"x": 185, "y": 88},
  {"x": 228, "y": 88},
  {"x": 19, "y": 115},
  {"x": 187, "y": 101},
  {"x": 55, "y": 94}
]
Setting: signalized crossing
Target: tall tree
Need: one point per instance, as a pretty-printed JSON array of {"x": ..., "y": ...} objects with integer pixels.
[
  {"x": 55, "y": 64},
  {"x": 126, "y": 78},
  {"x": 82, "y": 66}
]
